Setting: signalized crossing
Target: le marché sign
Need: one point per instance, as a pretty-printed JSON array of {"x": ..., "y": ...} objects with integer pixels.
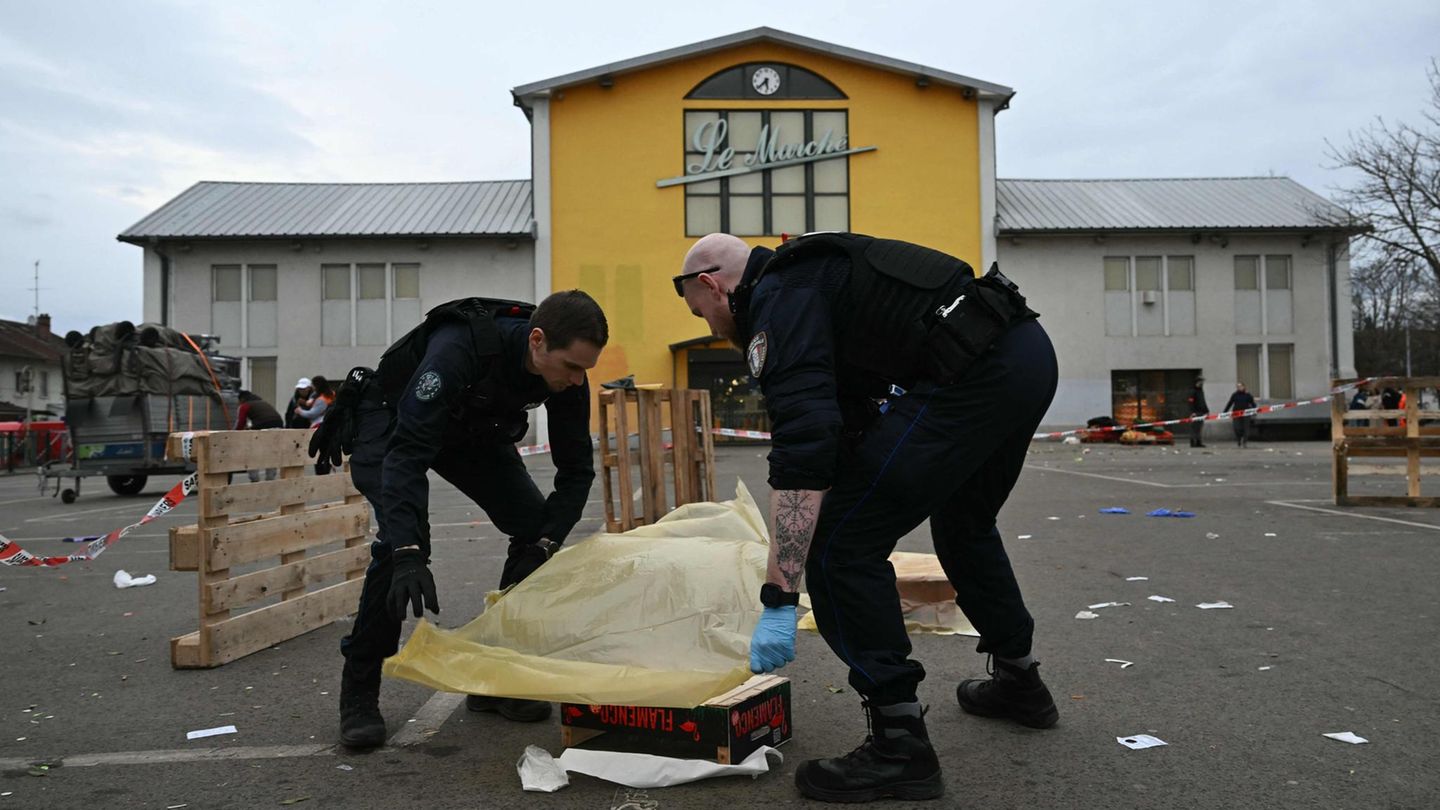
[{"x": 771, "y": 151}]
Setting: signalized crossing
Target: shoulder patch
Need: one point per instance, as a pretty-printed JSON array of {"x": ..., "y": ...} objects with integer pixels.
[
  {"x": 759, "y": 346},
  {"x": 428, "y": 386}
]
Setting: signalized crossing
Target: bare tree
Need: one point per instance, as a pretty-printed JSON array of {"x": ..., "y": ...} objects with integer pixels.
[{"x": 1398, "y": 191}]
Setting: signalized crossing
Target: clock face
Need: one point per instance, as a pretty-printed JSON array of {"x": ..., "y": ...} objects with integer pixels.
[{"x": 765, "y": 80}]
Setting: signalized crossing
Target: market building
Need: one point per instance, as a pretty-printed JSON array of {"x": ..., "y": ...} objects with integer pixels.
[{"x": 764, "y": 133}]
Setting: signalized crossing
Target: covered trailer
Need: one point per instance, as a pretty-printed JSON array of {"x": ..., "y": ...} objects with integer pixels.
[{"x": 126, "y": 389}]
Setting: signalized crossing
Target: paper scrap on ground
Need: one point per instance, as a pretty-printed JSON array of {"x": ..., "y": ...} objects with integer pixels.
[
  {"x": 1021, "y": 537},
  {"x": 1156, "y": 598},
  {"x": 1347, "y": 736},
  {"x": 658, "y": 616},
  {"x": 647, "y": 770},
  {"x": 124, "y": 580},
  {"x": 927, "y": 599},
  {"x": 1123, "y": 664},
  {"x": 1108, "y": 604},
  {"x": 1137, "y": 579},
  {"x": 1214, "y": 605},
  {"x": 211, "y": 732},
  {"x": 539, "y": 772},
  {"x": 1114, "y": 510},
  {"x": 1271, "y": 534},
  {"x": 1175, "y": 513},
  {"x": 1136, "y": 742},
  {"x": 1211, "y": 536},
  {"x": 1085, "y": 614}
]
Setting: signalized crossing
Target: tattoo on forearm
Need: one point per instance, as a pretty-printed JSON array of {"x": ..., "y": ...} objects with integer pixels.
[{"x": 795, "y": 514}]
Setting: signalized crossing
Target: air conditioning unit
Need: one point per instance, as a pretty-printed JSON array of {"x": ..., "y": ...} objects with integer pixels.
[{"x": 1150, "y": 296}]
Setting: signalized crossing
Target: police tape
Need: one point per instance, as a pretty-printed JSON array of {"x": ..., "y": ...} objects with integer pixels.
[
  {"x": 1085, "y": 431},
  {"x": 1209, "y": 417},
  {"x": 13, "y": 555}
]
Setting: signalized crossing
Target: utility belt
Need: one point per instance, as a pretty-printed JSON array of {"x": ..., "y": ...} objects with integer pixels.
[{"x": 966, "y": 327}]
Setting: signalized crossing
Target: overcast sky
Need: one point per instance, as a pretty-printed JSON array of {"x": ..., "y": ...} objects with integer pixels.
[{"x": 109, "y": 109}]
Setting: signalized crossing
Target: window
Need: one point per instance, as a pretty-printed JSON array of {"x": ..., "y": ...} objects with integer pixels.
[
  {"x": 1182, "y": 273},
  {"x": 1149, "y": 295},
  {"x": 1282, "y": 378},
  {"x": 1247, "y": 366},
  {"x": 44, "y": 385},
  {"x": 1117, "y": 274},
  {"x": 1263, "y": 301},
  {"x": 19, "y": 382},
  {"x": 1151, "y": 395},
  {"x": 368, "y": 303},
  {"x": 262, "y": 314},
  {"x": 799, "y": 198},
  {"x": 226, "y": 291},
  {"x": 740, "y": 81}
]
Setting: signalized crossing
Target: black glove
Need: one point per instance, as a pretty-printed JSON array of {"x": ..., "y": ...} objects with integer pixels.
[
  {"x": 335, "y": 437},
  {"x": 410, "y": 582},
  {"x": 526, "y": 556}
]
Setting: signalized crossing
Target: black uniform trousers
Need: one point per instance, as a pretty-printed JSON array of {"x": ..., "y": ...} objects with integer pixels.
[
  {"x": 950, "y": 454},
  {"x": 491, "y": 474}
]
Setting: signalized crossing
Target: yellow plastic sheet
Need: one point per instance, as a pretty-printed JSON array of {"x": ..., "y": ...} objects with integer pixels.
[{"x": 658, "y": 616}]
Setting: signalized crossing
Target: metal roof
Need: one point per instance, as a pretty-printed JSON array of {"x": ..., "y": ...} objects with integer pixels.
[
  {"x": 1214, "y": 203},
  {"x": 209, "y": 210},
  {"x": 764, "y": 34}
]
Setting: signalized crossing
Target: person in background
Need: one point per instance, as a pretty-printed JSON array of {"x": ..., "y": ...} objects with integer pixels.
[
  {"x": 1241, "y": 400},
  {"x": 1360, "y": 402},
  {"x": 313, "y": 410},
  {"x": 1198, "y": 407},
  {"x": 257, "y": 414},
  {"x": 304, "y": 389}
]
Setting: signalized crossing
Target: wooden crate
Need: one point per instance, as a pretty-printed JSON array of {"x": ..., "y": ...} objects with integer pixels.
[
  {"x": 273, "y": 522},
  {"x": 689, "y": 462},
  {"x": 1411, "y": 439}
]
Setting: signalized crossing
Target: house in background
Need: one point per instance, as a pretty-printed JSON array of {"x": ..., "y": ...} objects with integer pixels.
[{"x": 32, "y": 378}]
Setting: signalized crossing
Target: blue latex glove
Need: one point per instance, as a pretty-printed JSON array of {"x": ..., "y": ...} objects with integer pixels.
[{"x": 772, "y": 646}]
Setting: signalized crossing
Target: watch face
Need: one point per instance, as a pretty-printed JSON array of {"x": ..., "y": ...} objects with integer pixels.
[{"x": 765, "y": 80}]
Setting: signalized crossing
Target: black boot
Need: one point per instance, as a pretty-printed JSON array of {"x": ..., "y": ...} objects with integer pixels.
[
  {"x": 361, "y": 725},
  {"x": 1010, "y": 692},
  {"x": 520, "y": 711},
  {"x": 895, "y": 762}
]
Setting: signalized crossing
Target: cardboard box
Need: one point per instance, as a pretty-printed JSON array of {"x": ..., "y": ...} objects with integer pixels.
[{"x": 727, "y": 728}]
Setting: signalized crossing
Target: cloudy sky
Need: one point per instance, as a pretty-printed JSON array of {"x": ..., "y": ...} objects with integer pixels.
[{"x": 108, "y": 109}]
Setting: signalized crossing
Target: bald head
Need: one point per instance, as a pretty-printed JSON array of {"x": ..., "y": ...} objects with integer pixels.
[{"x": 719, "y": 254}]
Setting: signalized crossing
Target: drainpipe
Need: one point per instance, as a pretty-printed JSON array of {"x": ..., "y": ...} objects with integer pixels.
[
  {"x": 164, "y": 282},
  {"x": 1331, "y": 272}
]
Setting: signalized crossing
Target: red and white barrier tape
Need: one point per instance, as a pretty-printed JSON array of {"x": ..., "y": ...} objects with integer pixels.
[
  {"x": 12, "y": 554},
  {"x": 1209, "y": 417}
]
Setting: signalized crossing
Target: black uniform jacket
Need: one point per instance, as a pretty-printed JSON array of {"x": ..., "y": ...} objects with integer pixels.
[{"x": 456, "y": 400}]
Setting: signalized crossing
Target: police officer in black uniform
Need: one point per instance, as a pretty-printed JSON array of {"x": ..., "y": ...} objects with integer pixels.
[
  {"x": 453, "y": 396},
  {"x": 900, "y": 389}
]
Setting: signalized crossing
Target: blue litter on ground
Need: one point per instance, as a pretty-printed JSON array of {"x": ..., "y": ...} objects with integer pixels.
[
  {"x": 1175, "y": 513},
  {"x": 1114, "y": 510}
]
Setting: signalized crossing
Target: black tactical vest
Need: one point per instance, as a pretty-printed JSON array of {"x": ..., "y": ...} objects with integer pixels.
[
  {"x": 907, "y": 312},
  {"x": 399, "y": 362}
]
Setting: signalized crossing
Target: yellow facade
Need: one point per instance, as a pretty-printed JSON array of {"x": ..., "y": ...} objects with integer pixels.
[{"x": 620, "y": 238}]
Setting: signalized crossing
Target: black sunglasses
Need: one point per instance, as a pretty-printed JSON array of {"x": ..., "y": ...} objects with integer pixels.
[{"x": 680, "y": 279}]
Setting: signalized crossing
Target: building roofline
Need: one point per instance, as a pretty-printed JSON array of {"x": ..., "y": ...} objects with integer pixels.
[
  {"x": 762, "y": 34},
  {"x": 1187, "y": 229}
]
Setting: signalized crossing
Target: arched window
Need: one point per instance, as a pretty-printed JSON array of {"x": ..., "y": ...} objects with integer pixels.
[{"x": 766, "y": 80}]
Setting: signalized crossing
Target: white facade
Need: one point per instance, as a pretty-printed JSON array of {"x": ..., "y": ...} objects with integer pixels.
[
  {"x": 47, "y": 382},
  {"x": 298, "y": 308},
  {"x": 1232, "y": 307}
]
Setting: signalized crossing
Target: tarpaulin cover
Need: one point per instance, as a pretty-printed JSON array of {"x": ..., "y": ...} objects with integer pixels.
[{"x": 658, "y": 616}]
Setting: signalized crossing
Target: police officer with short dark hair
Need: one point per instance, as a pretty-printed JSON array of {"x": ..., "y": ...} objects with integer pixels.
[
  {"x": 454, "y": 396},
  {"x": 900, "y": 389}
]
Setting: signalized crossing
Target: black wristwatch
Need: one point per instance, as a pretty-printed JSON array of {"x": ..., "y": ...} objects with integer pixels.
[{"x": 772, "y": 597}]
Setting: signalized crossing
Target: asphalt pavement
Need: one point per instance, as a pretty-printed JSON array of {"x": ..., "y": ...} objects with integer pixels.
[{"x": 1333, "y": 628}]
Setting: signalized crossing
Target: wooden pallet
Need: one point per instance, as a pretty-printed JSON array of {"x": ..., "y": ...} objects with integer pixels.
[
  {"x": 1411, "y": 439},
  {"x": 689, "y": 463},
  {"x": 274, "y": 522}
]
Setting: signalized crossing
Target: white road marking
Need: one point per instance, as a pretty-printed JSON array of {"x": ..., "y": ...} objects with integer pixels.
[
  {"x": 74, "y": 515},
  {"x": 179, "y": 755},
  {"x": 428, "y": 719},
  {"x": 1301, "y": 505},
  {"x": 1211, "y": 485}
]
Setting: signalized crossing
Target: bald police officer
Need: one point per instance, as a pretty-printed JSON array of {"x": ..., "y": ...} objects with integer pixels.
[{"x": 900, "y": 388}]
